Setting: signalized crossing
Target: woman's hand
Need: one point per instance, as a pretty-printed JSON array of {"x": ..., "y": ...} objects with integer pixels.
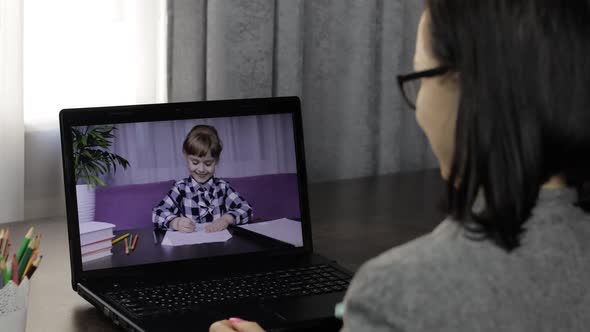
[
  {"x": 183, "y": 224},
  {"x": 220, "y": 224},
  {"x": 235, "y": 324}
]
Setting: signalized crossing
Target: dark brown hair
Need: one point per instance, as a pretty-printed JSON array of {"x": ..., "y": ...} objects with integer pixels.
[
  {"x": 524, "y": 110},
  {"x": 202, "y": 139}
]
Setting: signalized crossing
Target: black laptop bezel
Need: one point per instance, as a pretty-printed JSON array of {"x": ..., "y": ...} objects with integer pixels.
[{"x": 176, "y": 111}]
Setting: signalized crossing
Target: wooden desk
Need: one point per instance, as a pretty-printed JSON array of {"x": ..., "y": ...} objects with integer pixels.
[{"x": 353, "y": 220}]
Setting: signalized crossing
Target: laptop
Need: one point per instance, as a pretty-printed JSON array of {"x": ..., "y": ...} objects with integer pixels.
[{"x": 127, "y": 176}]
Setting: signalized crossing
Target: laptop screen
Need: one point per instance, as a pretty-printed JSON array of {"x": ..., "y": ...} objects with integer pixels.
[{"x": 160, "y": 191}]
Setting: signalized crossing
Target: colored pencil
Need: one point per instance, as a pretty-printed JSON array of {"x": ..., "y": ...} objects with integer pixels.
[
  {"x": 3, "y": 252},
  {"x": 36, "y": 247},
  {"x": 34, "y": 267},
  {"x": 31, "y": 260},
  {"x": 7, "y": 253},
  {"x": 14, "y": 269},
  {"x": 120, "y": 238},
  {"x": 25, "y": 258},
  {"x": 1, "y": 239},
  {"x": 126, "y": 247},
  {"x": 134, "y": 241},
  {"x": 129, "y": 241},
  {"x": 24, "y": 244},
  {"x": 38, "y": 242},
  {"x": 4, "y": 270}
]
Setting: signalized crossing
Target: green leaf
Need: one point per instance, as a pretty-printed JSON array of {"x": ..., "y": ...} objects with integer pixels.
[
  {"x": 91, "y": 153},
  {"x": 99, "y": 181},
  {"x": 102, "y": 169}
]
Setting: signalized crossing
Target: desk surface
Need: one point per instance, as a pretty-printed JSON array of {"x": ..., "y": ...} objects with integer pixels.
[
  {"x": 147, "y": 251},
  {"x": 379, "y": 213}
]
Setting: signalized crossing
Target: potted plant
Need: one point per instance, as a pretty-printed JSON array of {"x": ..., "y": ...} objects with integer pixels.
[{"x": 92, "y": 160}]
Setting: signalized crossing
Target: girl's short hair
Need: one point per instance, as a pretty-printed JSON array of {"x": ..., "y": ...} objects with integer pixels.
[
  {"x": 524, "y": 109},
  {"x": 201, "y": 140}
]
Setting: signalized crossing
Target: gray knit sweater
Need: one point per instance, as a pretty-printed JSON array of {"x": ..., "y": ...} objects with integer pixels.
[{"x": 444, "y": 281}]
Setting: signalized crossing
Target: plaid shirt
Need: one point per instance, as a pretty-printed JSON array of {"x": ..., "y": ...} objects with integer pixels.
[{"x": 201, "y": 202}]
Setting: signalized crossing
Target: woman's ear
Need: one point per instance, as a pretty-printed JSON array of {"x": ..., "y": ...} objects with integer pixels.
[{"x": 452, "y": 78}]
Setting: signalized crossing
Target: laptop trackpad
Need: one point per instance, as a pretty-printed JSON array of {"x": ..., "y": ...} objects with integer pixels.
[
  {"x": 305, "y": 308},
  {"x": 202, "y": 319},
  {"x": 251, "y": 312}
]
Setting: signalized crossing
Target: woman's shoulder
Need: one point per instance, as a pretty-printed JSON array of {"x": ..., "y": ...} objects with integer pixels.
[
  {"x": 447, "y": 271},
  {"x": 422, "y": 278},
  {"x": 389, "y": 288},
  {"x": 432, "y": 248},
  {"x": 411, "y": 263}
]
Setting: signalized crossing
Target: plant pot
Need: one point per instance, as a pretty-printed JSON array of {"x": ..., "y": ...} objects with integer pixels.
[{"x": 85, "y": 195}]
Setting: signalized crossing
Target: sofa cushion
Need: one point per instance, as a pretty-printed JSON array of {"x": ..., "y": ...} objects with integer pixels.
[
  {"x": 130, "y": 206},
  {"x": 271, "y": 196}
]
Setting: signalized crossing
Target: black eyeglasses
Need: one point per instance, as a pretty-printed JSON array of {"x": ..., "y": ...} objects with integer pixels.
[{"x": 409, "y": 84}]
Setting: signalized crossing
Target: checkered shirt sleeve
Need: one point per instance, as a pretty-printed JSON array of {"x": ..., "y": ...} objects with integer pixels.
[
  {"x": 168, "y": 208},
  {"x": 237, "y": 206}
]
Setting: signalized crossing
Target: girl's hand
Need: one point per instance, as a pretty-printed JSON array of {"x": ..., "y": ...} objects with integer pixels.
[
  {"x": 183, "y": 224},
  {"x": 235, "y": 324},
  {"x": 220, "y": 224}
]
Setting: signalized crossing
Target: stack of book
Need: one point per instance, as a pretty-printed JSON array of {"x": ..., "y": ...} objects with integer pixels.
[{"x": 95, "y": 240}]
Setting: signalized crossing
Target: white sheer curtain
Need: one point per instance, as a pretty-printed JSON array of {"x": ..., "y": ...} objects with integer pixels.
[
  {"x": 11, "y": 111},
  {"x": 80, "y": 54}
]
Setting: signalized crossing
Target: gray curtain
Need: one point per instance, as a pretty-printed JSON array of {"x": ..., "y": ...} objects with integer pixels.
[{"x": 340, "y": 56}]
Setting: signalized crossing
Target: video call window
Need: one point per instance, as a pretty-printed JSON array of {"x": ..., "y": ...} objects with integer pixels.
[{"x": 151, "y": 192}]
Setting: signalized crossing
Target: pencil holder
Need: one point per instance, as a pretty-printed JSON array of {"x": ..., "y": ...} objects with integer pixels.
[{"x": 13, "y": 306}]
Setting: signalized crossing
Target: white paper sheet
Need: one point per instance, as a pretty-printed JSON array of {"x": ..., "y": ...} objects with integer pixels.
[
  {"x": 283, "y": 229},
  {"x": 198, "y": 237}
]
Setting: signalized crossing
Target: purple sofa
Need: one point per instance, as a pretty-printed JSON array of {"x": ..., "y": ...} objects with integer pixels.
[{"x": 130, "y": 206}]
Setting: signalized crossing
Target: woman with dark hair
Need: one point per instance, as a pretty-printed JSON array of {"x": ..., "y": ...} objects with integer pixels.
[{"x": 500, "y": 89}]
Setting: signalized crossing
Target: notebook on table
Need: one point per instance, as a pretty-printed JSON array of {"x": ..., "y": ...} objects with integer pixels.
[{"x": 262, "y": 267}]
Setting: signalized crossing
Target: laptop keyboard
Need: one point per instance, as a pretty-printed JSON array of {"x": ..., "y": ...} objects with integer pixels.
[{"x": 185, "y": 296}]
